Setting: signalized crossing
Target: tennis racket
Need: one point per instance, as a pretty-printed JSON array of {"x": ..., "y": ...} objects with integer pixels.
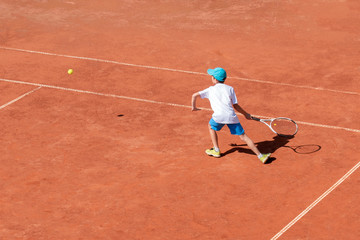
[{"x": 282, "y": 126}]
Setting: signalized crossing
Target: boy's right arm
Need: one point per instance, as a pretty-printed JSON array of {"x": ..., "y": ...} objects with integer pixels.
[
  {"x": 193, "y": 101},
  {"x": 242, "y": 111}
]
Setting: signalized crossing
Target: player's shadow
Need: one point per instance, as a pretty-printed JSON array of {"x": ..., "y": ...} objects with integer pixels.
[{"x": 264, "y": 147}]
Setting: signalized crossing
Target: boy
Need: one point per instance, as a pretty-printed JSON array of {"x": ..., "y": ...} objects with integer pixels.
[{"x": 223, "y": 101}]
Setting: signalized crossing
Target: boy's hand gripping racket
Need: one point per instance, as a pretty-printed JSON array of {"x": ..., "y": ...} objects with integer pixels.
[{"x": 285, "y": 127}]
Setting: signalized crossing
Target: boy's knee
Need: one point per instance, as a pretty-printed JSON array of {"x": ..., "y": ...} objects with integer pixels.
[{"x": 243, "y": 137}]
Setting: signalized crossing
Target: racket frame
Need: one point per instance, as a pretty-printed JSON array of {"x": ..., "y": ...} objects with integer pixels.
[{"x": 268, "y": 122}]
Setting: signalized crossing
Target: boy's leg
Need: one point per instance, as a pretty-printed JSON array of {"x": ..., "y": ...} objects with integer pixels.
[
  {"x": 215, "y": 151},
  {"x": 250, "y": 143},
  {"x": 214, "y": 137},
  {"x": 263, "y": 157}
]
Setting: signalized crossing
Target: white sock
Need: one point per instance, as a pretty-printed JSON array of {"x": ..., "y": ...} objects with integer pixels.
[
  {"x": 216, "y": 149},
  {"x": 260, "y": 155}
]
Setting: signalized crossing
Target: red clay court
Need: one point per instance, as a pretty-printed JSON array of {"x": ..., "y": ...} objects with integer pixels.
[{"x": 114, "y": 151}]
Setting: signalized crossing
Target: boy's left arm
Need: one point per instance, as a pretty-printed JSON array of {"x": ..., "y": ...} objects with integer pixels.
[{"x": 193, "y": 101}]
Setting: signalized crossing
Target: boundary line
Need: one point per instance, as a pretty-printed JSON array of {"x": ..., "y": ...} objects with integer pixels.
[
  {"x": 18, "y": 98},
  {"x": 311, "y": 206},
  {"x": 175, "y": 70},
  {"x": 158, "y": 102}
]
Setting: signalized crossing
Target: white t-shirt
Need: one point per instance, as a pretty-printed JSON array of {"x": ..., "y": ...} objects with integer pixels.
[{"x": 221, "y": 97}]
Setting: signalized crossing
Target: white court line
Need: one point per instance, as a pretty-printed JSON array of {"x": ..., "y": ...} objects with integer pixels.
[
  {"x": 329, "y": 126},
  {"x": 316, "y": 202},
  {"x": 18, "y": 98},
  {"x": 158, "y": 102},
  {"x": 175, "y": 70}
]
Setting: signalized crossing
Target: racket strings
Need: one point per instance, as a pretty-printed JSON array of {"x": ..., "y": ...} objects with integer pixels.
[{"x": 284, "y": 126}]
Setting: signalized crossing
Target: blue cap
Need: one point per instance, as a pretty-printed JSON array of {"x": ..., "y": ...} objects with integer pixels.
[{"x": 218, "y": 73}]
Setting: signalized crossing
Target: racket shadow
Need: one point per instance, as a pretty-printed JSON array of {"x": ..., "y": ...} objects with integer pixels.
[{"x": 272, "y": 146}]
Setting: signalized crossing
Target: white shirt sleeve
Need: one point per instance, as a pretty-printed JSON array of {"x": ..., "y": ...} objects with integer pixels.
[
  {"x": 204, "y": 93},
  {"x": 233, "y": 97}
]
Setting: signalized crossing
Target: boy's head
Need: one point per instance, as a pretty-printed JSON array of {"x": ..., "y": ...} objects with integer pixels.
[{"x": 218, "y": 73}]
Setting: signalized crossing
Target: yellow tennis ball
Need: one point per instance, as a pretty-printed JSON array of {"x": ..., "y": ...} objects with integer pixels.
[{"x": 70, "y": 71}]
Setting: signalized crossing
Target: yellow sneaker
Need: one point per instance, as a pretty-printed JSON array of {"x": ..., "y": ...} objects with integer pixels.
[
  {"x": 264, "y": 157},
  {"x": 211, "y": 152}
]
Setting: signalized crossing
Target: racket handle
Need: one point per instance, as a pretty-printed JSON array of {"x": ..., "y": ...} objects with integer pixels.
[{"x": 255, "y": 118}]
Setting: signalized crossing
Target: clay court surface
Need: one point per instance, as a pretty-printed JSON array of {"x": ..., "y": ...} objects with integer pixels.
[{"x": 114, "y": 151}]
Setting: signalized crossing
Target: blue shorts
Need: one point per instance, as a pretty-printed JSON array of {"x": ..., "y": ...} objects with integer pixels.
[{"x": 235, "y": 128}]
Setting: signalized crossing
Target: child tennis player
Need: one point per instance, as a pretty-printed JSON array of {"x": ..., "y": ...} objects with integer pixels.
[{"x": 223, "y": 101}]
